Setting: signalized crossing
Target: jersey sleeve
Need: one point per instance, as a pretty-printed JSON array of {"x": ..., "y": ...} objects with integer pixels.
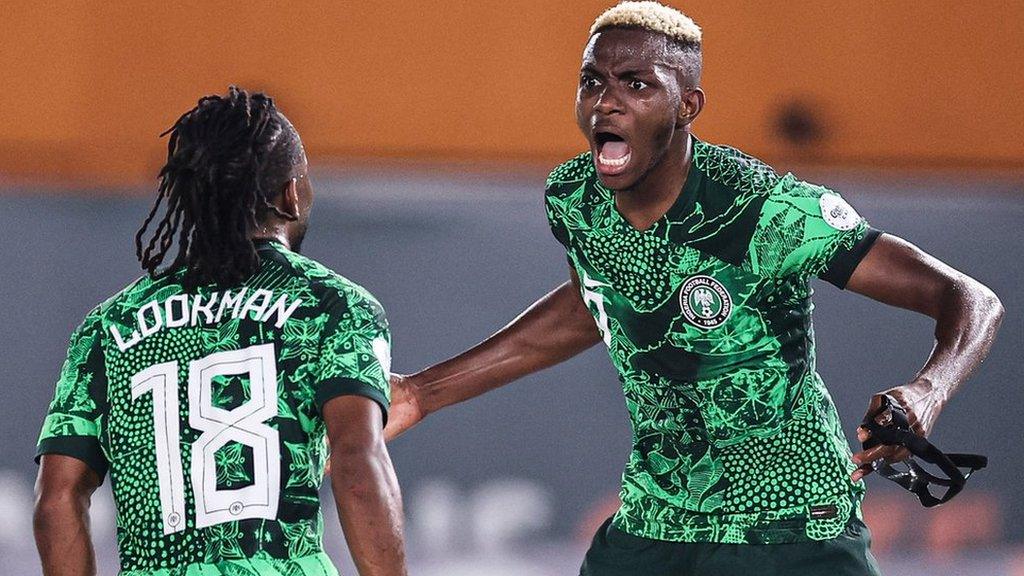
[
  {"x": 556, "y": 220},
  {"x": 74, "y": 421},
  {"x": 564, "y": 193},
  {"x": 808, "y": 230},
  {"x": 355, "y": 353}
]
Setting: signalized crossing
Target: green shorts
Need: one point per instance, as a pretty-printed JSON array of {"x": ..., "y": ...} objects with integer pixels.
[{"x": 616, "y": 553}]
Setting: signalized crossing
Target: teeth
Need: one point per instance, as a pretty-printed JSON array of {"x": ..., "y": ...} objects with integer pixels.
[{"x": 614, "y": 162}]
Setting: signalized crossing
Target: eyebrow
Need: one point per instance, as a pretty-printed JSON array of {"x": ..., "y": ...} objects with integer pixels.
[
  {"x": 646, "y": 70},
  {"x": 634, "y": 72},
  {"x": 624, "y": 73}
]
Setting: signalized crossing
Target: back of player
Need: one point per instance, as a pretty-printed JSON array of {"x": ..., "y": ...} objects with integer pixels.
[
  {"x": 204, "y": 403},
  {"x": 205, "y": 409}
]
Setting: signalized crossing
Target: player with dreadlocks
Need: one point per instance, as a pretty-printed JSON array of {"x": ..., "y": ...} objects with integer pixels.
[{"x": 214, "y": 390}]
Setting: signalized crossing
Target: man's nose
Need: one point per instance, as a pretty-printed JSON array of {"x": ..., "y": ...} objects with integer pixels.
[{"x": 608, "y": 101}]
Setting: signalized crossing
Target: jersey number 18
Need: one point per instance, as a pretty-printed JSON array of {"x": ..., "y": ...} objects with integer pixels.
[{"x": 244, "y": 424}]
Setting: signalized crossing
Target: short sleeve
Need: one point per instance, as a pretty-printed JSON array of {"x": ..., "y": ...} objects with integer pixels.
[
  {"x": 555, "y": 219},
  {"x": 808, "y": 230},
  {"x": 74, "y": 421},
  {"x": 355, "y": 353}
]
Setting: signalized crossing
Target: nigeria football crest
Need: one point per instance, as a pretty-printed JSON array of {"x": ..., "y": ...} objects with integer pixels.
[{"x": 705, "y": 301}]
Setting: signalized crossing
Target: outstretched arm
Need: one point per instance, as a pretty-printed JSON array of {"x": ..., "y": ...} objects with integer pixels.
[
  {"x": 967, "y": 315},
  {"x": 64, "y": 489},
  {"x": 552, "y": 330},
  {"x": 365, "y": 488}
]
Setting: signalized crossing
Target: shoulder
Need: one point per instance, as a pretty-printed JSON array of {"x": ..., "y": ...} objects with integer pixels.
[
  {"x": 128, "y": 298},
  {"x": 729, "y": 167},
  {"x": 335, "y": 293},
  {"x": 811, "y": 202},
  {"x": 792, "y": 189},
  {"x": 567, "y": 176}
]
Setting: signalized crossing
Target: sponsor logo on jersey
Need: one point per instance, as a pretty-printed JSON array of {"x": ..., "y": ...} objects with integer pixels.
[
  {"x": 705, "y": 302},
  {"x": 837, "y": 213}
]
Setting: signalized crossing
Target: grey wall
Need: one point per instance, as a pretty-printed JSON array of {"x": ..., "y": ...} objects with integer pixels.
[{"x": 452, "y": 258}]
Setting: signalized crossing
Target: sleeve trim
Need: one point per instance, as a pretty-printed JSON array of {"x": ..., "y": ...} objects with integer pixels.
[
  {"x": 335, "y": 387},
  {"x": 842, "y": 266},
  {"x": 85, "y": 448}
]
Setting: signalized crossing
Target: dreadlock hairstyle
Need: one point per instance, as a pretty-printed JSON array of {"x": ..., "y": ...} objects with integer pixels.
[{"x": 227, "y": 158}]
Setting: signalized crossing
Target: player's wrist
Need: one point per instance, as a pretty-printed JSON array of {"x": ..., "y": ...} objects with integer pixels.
[
  {"x": 928, "y": 391},
  {"x": 924, "y": 398}
]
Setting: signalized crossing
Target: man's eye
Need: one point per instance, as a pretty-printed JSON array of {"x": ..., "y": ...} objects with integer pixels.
[
  {"x": 637, "y": 85},
  {"x": 588, "y": 82}
]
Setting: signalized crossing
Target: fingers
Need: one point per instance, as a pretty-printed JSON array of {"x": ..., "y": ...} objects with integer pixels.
[
  {"x": 864, "y": 466},
  {"x": 864, "y": 459},
  {"x": 871, "y": 454},
  {"x": 861, "y": 471},
  {"x": 891, "y": 454}
]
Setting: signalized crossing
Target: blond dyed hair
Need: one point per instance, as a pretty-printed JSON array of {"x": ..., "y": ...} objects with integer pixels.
[{"x": 650, "y": 16}]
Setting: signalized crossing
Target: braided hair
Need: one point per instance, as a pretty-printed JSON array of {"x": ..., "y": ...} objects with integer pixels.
[{"x": 227, "y": 159}]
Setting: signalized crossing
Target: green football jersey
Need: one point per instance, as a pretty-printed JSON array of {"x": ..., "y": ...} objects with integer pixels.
[
  {"x": 205, "y": 409},
  {"x": 707, "y": 317}
]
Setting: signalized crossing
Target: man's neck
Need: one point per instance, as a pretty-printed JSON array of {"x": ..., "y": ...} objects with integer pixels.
[
  {"x": 273, "y": 235},
  {"x": 651, "y": 198}
]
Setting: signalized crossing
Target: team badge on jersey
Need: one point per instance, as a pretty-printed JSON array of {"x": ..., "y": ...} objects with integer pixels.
[
  {"x": 838, "y": 213},
  {"x": 705, "y": 302}
]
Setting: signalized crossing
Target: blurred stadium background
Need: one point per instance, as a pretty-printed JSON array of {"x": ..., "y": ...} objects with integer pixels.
[{"x": 430, "y": 127}]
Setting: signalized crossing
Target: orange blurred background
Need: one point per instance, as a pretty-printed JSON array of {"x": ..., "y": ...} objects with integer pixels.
[
  {"x": 458, "y": 86},
  {"x": 90, "y": 85}
]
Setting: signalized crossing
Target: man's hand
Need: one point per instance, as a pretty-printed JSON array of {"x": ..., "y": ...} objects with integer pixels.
[
  {"x": 921, "y": 401},
  {"x": 967, "y": 317},
  {"x": 405, "y": 411}
]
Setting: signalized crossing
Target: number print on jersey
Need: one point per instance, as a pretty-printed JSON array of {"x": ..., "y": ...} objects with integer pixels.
[
  {"x": 244, "y": 424},
  {"x": 162, "y": 380}
]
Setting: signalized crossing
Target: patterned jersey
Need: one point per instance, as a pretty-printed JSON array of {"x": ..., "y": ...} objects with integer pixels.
[
  {"x": 707, "y": 317},
  {"x": 205, "y": 409}
]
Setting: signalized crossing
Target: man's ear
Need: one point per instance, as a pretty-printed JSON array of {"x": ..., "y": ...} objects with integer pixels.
[
  {"x": 288, "y": 204},
  {"x": 690, "y": 107}
]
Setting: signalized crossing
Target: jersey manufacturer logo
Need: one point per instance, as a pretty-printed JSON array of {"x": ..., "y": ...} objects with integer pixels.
[
  {"x": 705, "y": 301},
  {"x": 837, "y": 213}
]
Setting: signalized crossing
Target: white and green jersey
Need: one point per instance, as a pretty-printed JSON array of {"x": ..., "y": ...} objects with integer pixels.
[
  {"x": 707, "y": 317},
  {"x": 205, "y": 409}
]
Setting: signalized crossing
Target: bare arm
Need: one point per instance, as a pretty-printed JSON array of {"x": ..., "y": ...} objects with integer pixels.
[
  {"x": 552, "y": 330},
  {"x": 967, "y": 316},
  {"x": 64, "y": 488},
  {"x": 365, "y": 488}
]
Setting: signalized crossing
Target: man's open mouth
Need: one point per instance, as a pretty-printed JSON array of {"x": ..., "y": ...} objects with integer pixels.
[{"x": 613, "y": 153}]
